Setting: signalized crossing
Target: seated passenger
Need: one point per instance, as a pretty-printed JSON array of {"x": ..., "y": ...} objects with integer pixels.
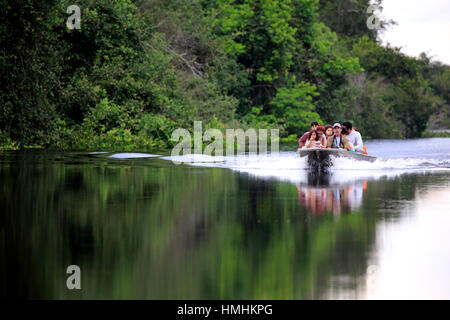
[
  {"x": 336, "y": 141},
  {"x": 304, "y": 138},
  {"x": 328, "y": 131},
  {"x": 353, "y": 136},
  {"x": 344, "y": 134},
  {"x": 320, "y": 132},
  {"x": 313, "y": 140}
]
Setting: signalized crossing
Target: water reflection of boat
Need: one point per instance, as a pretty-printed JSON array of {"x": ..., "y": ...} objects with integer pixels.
[
  {"x": 318, "y": 196},
  {"x": 322, "y": 158}
]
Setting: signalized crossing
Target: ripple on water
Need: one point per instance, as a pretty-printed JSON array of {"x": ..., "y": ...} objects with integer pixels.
[{"x": 133, "y": 155}]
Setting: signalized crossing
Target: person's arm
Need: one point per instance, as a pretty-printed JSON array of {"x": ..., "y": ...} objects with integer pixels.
[
  {"x": 308, "y": 144},
  {"x": 303, "y": 139},
  {"x": 359, "y": 143},
  {"x": 350, "y": 146},
  {"x": 347, "y": 144},
  {"x": 329, "y": 142}
]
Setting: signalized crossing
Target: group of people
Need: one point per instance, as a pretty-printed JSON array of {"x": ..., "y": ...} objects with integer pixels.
[{"x": 336, "y": 137}]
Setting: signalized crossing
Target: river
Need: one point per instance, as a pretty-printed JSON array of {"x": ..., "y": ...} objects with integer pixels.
[{"x": 250, "y": 227}]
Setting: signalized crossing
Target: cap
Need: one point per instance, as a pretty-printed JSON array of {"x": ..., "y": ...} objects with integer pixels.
[{"x": 337, "y": 124}]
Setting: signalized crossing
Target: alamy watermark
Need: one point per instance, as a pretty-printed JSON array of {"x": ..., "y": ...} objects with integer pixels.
[
  {"x": 74, "y": 280},
  {"x": 74, "y": 20},
  {"x": 257, "y": 141},
  {"x": 373, "y": 22}
]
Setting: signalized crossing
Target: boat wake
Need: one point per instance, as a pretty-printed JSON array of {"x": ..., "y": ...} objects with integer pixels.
[
  {"x": 390, "y": 164},
  {"x": 289, "y": 166},
  {"x": 290, "y": 160}
]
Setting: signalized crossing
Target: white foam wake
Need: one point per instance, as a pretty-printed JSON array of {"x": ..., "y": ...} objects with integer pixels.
[
  {"x": 288, "y": 166},
  {"x": 290, "y": 160}
]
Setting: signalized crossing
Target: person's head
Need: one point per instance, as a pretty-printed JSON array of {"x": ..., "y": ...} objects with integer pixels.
[
  {"x": 328, "y": 130},
  {"x": 314, "y": 125},
  {"x": 337, "y": 129},
  {"x": 347, "y": 125},
  {"x": 344, "y": 131},
  {"x": 313, "y": 135},
  {"x": 320, "y": 130}
]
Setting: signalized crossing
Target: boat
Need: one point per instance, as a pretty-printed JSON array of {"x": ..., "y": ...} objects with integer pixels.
[{"x": 322, "y": 159}]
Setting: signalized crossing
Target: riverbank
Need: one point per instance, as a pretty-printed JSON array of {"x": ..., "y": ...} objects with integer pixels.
[
  {"x": 134, "y": 72},
  {"x": 442, "y": 133}
]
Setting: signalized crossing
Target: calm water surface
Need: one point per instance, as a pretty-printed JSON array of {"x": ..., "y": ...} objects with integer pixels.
[{"x": 257, "y": 227}]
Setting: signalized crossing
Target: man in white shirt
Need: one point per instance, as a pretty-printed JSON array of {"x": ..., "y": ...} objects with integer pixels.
[{"x": 354, "y": 137}]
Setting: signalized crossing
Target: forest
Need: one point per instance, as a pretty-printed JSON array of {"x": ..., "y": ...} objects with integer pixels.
[{"x": 137, "y": 70}]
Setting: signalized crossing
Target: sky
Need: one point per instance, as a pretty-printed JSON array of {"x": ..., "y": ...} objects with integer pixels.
[{"x": 423, "y": 26}]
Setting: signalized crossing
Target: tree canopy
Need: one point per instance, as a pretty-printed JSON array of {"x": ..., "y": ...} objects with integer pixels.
[{"x": 136, "y": 70}]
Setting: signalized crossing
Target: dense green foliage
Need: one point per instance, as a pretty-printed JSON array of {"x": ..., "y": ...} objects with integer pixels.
[{"x": 136, "y": 70}]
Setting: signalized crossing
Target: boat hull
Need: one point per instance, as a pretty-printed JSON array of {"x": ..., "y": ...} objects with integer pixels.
[{"x": 321, "y": 158}]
